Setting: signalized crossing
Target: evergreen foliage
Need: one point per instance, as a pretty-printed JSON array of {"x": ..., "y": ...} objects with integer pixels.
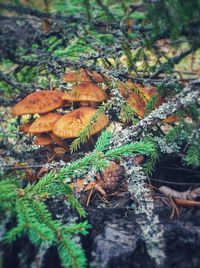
[
  {"x": 35, "y": 220},
  {"x": 32, "y": 214},
  {"x": 177, "y": 17}
]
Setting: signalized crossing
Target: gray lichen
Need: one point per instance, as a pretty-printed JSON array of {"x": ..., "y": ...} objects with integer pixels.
[{"x": 151, "y": 229}]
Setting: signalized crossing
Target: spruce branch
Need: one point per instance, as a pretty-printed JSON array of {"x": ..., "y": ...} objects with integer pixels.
[
  {"x": 70, "y": 254},
  {"x": 103, "y": 141},
  {"x": 79, "y": 228},
  {"x": 192, "y": 156},
  {"x": 34, "y": 219},
  {"x": 128, "y": 114},
  {"x": 128, "y": 149}
]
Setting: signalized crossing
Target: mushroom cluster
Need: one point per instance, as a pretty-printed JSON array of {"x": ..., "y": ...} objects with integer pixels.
[
  {"x": 51, "y": 127},
  {"x": 140, "y": 96}
]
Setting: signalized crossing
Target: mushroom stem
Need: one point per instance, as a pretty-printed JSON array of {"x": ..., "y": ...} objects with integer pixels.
[
  {"x": 93, "y": 104},
  {"x": 84, "y": 103},
  {"x": 50, "y": 148},
  {"x": 59, "y": 142}
]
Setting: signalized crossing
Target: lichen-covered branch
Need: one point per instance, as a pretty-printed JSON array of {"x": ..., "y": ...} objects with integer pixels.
[{"x": 188, "y": 95}]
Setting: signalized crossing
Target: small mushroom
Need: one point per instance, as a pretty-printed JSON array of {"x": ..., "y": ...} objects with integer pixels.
[
  {"x": 38, "y": 102},
  {"x": 59, "y": 151},
  {"x": 133, "y": 90},
  {"x": 43, "y": 139},
  {"x": 25, "y": 127},
  {"x": 83, "y": 76},
  {"x": 88, "y": 94},
  {"x": 44, "y": 123},
  {"x": 59, "y": 142},
  {"x": 71, "y": 124},
  {"x": 136, "y": 102},
  {"x": 148, "y": 92},
  {"x": 126, "y": 88}
]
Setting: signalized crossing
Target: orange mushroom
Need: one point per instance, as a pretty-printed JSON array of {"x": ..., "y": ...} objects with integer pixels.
[
  {"x": 140, "y": 95},
  {"x": 44, "y": 123},
  {"x": 126, "y": 88},
  {"x": 136, "y": 102},
  {"x": 83, "y": 76},
  {"x": 71, "y": 124},
  {"x": 148, "y": 92},
  {"x": 86, "y": 93},
  {"x": 25, "y": 127},
  {"x": 43, "y": 139},
  {"x": 38, "y": 102}
]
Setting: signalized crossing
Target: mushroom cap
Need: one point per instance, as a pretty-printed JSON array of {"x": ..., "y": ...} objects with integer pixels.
[
  {"x": 71, "y": 124},
  {"x": 44, "y": 123},
  {"x": 85, "y": 92},
  {"x": 40, "y": 102},
  {"x": 136, "y": 102},
  {"x": 43, "y": 139},
  {"x": 83, "y": 76},
  {"x": 25, "y": 127},
  {"x": 148, "y": 92},
  {"x": 128, "y": 87}
]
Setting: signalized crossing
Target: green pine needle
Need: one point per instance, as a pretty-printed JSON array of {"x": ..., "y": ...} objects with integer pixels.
[{"x": 86, "y": 132}]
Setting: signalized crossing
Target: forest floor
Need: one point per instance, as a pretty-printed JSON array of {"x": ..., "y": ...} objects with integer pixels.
[{"x": 115, "y": 238}]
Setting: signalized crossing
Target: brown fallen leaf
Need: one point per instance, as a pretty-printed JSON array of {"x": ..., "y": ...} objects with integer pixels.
[
  {"x": 59, "y": 150},
  {"x": 78, "y": 185}
]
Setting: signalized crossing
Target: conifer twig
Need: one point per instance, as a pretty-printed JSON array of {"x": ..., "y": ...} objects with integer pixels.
[{"x": 172, "y": 61}]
